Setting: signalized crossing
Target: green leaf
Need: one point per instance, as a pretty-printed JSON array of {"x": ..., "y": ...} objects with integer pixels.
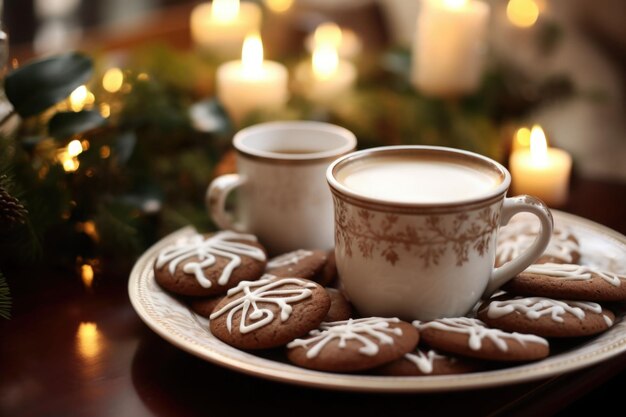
[
  {"x": 209, "y": 116},
  {"x": 5, "y": 298},
  {"x": 65, "y": 124},
  {"x": 124, "y": 146},
  {"x": 40, "y": 84}
]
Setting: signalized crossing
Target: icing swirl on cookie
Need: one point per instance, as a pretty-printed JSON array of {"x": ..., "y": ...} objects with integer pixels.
[
  {"x": 290, "y": 258},
  {"x": 574, "y": 272},
  {"x": 206, "y": 250},
  {"x": 376, "y": 327},
  {"x": 264, "y": 291},
  {"x": 476, "y": 331},
  {"x": 424, "y": 361},
  {"x": 517, "y": 236},
  {"x": 537, "y": 307}
]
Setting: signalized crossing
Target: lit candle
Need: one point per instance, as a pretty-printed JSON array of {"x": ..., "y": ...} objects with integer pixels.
[
  {"x": 222, "y": 26},
  {"x": 541, "y": 171},
  {"x": 449, "y": 47},
  {"x": 326, "y": 76},
  {"x": 252, "y": 83},
  {"x": 346, "y": 42}
]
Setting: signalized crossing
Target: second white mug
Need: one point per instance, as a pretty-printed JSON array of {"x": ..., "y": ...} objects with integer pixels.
[{"x": 282, "y": 194}]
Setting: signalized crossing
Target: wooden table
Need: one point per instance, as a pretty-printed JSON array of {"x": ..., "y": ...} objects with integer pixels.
[{"x": 69, "y": 352}]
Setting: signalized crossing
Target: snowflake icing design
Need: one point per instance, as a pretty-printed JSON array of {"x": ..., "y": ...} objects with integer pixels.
[
  {"x": 476, "y": 331},
  {"x": 376, "y": 327},
  {"x": 574, "y": 272},
  {"x": 424, "y": 361},
  {"x": 536, "y": 307},
  {"x": 206, "y": 250},
  {"x": 290, "y": 258},
  {"x": 264, "y": 291},
  {"x": 519, "y": 235}
]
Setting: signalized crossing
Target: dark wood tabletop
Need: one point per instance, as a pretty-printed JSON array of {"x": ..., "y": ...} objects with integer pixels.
[{"x": 68, "y": 351}]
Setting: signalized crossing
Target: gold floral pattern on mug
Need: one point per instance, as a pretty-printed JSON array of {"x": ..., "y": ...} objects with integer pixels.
[{"x": 428, "y": 237}]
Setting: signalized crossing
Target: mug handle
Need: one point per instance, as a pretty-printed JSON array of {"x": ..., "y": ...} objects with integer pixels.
[
  {"x": 510, "y": 207},
  {"x": 215, "y": 200}
]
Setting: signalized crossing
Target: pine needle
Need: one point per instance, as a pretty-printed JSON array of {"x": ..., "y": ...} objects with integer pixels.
[{"x": 5, "y": 298}]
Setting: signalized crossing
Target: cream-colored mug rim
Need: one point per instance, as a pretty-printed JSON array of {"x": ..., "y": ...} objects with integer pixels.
[
  {"x": 341, "y": 190},
  {"x": 278, "y": 126}
]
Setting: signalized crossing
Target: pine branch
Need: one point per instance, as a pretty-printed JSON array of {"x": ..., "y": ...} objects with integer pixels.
[
  {"x": 5, "y": 298},
  {"x": 12, "y": 211}
]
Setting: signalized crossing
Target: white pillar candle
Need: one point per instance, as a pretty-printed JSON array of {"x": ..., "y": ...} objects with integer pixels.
[
  {"x": 449, "y": 47},
  {"x": 541, "y": 171},
  {"x": 220, "y": 27},
  {"x": 346, "y": 42},
  {"x": 252, "y": 83},
  {"x": 325, "y": 76}
]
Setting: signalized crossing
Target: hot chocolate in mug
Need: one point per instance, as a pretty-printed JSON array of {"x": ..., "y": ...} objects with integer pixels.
[
  {"x": 416, "y": 229},
  {"x": 282, "y": 194}
]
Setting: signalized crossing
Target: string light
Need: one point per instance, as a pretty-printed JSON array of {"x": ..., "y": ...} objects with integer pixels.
[{"x": 522, "y": 13}]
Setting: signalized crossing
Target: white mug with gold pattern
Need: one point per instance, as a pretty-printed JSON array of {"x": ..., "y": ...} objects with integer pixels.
[
  {"x": 416, "y": 228},
  {"x": 283, "y": 197}
]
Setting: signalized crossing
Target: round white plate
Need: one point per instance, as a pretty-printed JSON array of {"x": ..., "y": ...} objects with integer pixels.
[{"x": 172, "y": 320}]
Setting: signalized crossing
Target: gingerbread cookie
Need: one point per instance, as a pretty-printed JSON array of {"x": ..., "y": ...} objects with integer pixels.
[
  {"x": 520, "y": 233},
  {"x": 204, "y": 306},
  {"x": 545, "y": 316},
  {"x": 353, "y": 345},
  {"x": 269, "y": 312},
  {"x": 569, "y": 282},
  {"x": 299, "y": 264},
  {"x": 471, "y": 337},
  {"x": 200, "y": 265},
  {"x": 329, "y": 273},
  {"x": 340, "y": 308},
  {"x": 428, "y": 362}
]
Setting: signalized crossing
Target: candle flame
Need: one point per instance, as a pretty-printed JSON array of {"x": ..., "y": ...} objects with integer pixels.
[
  {"x": 252, "y": 54},
  {"x": 454, "y": 4},
  {"x": 225, "y": 10},
  {"x": 522, "y": 13},
  {"x": 327, "y": 34},
  {"x": 325, "y": 62},
  {"x": 538, "y": 146}
]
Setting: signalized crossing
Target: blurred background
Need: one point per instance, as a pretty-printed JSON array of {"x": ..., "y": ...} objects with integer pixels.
[{"x": 590, "y": 40}]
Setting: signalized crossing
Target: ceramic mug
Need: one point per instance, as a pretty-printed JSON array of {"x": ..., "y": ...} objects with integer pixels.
[
  {"x": 283, "y": 198},
  {"x": 416, "y": 229}
]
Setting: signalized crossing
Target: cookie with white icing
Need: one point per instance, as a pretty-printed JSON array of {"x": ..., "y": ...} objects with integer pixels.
[
  {"x": 546, "y": 317},
  {"x": 472, "y": 338},
  {"x": 569, "y": 282},
  {"x": 301, "y": 263},
  {"x": 205, "y": 265},
  {"x": 340, "y": 308},
  {"x": 424, "y": 362},
  {"x": 269, "y": 312},
  {"x": 204, "y": 306},
  {"x": 354, "y": 344},
  {"x": 520, "y": 233}
]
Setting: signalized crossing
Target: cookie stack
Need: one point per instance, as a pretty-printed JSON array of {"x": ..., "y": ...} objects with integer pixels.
[
  {"x": 256, "y": 304},
  {"x": 288, "y": 303}
]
